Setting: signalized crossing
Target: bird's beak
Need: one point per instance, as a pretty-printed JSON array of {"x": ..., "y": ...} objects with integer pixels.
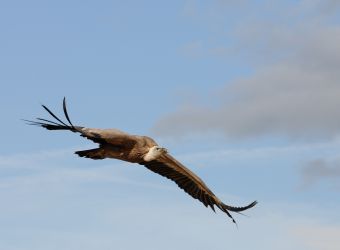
[{"x": 165, "y": 150}]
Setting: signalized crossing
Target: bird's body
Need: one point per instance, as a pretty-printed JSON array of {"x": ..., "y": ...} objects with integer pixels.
[
  {"x": 143, "y": 150},
  {"x": 116, "y": 144}
]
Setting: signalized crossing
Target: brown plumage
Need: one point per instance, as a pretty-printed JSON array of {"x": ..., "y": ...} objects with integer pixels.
[{"x": 143, "y": 150}]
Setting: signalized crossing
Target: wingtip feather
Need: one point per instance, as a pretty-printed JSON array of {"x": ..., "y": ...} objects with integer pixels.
[{"x": 65, "y": 112}]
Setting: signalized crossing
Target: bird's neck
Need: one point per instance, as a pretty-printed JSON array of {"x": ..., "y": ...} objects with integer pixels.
[{"x": 152, "y": 155}]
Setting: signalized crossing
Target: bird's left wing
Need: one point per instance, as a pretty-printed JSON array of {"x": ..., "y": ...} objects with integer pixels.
[{"x": 172, "y": 169}]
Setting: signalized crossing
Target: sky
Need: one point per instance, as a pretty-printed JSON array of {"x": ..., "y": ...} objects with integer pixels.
[{"x": 244, "y": 93}]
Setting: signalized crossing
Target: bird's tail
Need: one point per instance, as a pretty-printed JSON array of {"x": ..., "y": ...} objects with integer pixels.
[
  {"x": 95, "y": 154},
  {"x": 52, "y": 125}
]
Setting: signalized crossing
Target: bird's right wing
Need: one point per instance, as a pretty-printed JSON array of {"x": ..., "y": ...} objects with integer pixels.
[{"x": 172, "y": 169}]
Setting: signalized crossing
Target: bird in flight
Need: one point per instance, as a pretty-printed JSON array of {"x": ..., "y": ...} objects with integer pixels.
[{"x": 143, "y": 150}]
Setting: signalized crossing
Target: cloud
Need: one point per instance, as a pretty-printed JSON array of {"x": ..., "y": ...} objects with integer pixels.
[
  {"x": 317, "y": 237},
  {"x": 294, "y": 90},
  {"x": 320, "y": 169},
  {"x": 73, "y": 202}
]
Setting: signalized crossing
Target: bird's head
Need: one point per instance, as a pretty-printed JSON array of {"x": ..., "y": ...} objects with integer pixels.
[
  {"x": 160, "y": 149},
  {"x": 154, "y": 153}
]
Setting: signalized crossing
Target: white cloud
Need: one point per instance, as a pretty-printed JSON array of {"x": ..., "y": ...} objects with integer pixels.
[
  {"x": 281, "y": 100},
  {"x": 295, "y": 89},
  {"x": 265, "y": 151}
]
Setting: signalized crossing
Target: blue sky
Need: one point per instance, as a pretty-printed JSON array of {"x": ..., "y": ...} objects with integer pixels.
[{"x": 245, "y": 93}]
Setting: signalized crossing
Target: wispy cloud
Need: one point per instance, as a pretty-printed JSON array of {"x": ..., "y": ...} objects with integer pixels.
[
  {"x": 54, "y": 167},
  {"x": 320, "y": 169},
  {"x": 26, "y": 160},
  {"x": 79, "y": 198},
  {"x": 318, "y": 237}
]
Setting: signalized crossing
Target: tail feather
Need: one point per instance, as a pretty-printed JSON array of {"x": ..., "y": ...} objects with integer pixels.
[
  {"x": 52, "y": 125},
  {"x": 95, "y": 154}
]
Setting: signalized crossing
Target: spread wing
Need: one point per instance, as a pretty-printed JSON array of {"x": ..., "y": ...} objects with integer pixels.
[
  {"x": 166, "y": 165},
  {"x": 172, "y": 169},
  {"x": 114, "y": 137}
]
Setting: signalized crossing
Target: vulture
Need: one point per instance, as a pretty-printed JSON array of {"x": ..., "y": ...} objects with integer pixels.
[{"x": 113, "y": 143}]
